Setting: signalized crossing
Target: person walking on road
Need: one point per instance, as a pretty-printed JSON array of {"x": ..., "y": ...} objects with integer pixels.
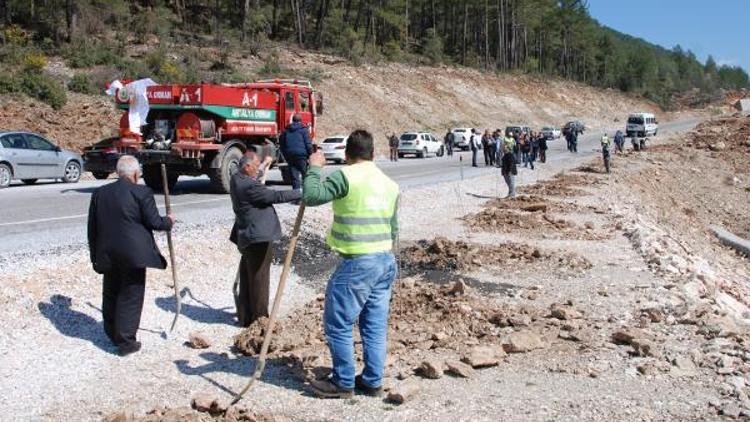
[
  {"x": 122, "y": 218},
  {"x": 619, "y": 142},
  {"x": 604, "y": 141},
  {"x": 543, "y": 149},
  {"x": 534, "y": 146},
  {"x": 486, "y": 148},
  {"x": 526, "y": 149},
  {"x": 474, "y": 143},
  {"x": 256, "y": 227},
  {"x": 393, "y": 145},
  {"x": 364, "y": 233},
  {"x": 296, "y": 147},
  {"x": 498, "y": 147},
  {"x": 449, "y": 139},
  {"x": 508, "y": 166},
  {"x": 518, "y": 137}
]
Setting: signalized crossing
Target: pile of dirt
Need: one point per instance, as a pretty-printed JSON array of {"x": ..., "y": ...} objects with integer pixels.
[
  {"x": 447, "y": 255},
  {"x": 728, "y": 138},
  {"x": 84, "y": 120},
  {"x": 564, "y": 184},
  {"x": 501, "y": 220},
  {"x": 426, "y": 320},
  {"x": 205, "y": 408}
]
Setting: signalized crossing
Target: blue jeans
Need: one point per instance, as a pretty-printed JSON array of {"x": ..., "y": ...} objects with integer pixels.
[{"x": 359, "y": 289}]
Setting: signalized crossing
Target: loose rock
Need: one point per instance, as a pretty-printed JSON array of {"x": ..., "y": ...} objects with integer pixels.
[
  {"x": 403, "y": 392},
  {"x": 522, "y": 342},
  {"x": 459, "y": 369},
  {"x": 198, "y": 341}
]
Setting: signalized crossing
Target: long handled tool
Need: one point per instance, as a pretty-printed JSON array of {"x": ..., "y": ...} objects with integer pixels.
[
  {"x": 168, "y": 205},
  {"x": 276, "y": 302}
]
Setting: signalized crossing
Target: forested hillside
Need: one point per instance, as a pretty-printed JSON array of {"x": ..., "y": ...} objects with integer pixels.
[{"x": 547, "y": 37}]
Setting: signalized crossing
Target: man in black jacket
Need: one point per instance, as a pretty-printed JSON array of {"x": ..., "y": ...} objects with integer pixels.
[
  {"x": 296, "y": 147},
  {"x": 122, "y": 217},
  {"x": 256, "y": 227}
]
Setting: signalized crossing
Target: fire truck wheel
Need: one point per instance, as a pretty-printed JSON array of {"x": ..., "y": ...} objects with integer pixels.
[
  {"x": 221, "y": 176},
  {"x": 152, "y": 178}
]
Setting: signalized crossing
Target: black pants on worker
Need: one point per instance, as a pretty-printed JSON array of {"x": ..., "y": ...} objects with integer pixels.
[
  {"x": 298, "y": 169},
  {"x": 474, "y": 157},
  {"x": 394, "y": 153},
  {"x": 449, "y": 149},
  {"x": 122, "y": 303},
  {"x": 255, "y": 274}
]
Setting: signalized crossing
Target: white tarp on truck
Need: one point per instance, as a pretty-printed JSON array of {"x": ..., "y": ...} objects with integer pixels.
[{"x": 135, "y": 93}]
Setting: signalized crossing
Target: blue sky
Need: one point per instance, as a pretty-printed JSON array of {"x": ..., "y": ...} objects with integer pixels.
[{"x": 719, "y": 27}]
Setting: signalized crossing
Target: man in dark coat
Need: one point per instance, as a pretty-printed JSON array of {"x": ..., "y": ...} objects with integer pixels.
[
  {"x": 449, "y": 139},
  {"x": 256, "y": 227},
  {"x": 122, "y": 218},
  {"x": 393, "y": 146},
  {"x": 296, "y": 147}
]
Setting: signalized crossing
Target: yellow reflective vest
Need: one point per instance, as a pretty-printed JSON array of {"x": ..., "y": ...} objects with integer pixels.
[{"x": 362, "y": 219}]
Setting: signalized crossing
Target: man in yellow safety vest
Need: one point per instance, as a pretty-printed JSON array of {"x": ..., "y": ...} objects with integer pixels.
[{"x": 365, "y": 226}]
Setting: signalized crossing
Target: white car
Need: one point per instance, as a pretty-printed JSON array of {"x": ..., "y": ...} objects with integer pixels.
[
  {"x": 461, "y": 136},
  {"x": 551, "y": 132},
  {"x": 334, "y": 147},
  {"x": 420, "y": 144}
]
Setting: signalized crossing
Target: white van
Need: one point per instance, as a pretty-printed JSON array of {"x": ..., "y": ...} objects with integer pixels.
[{"x": 641, "y": 124}]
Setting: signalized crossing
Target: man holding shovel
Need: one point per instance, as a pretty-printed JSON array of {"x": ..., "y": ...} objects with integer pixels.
[
  {"x": 256, "y": 227},
  {"x": 122, "y": 218},
  {"x": 365, "y": 227}
]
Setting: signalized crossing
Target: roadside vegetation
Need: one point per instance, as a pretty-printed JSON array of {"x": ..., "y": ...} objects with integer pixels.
[{"x": 549, "y": 38}]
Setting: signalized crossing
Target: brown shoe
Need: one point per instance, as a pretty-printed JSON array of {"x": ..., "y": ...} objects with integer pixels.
[
  {"x": 365, "y": 389},
  {"x": 325, "y": 388}
]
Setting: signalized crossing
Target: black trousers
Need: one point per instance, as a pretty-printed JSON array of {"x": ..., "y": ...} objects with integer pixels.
[
  {"x": 474, "y": 157},
  {"x": 255, "y": 274},
  {"x": 122, "y": 303},
  {"x": 449, "y": 148},
  {"x": 298, "y": 169}
]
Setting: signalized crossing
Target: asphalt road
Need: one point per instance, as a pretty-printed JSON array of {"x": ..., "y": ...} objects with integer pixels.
[{"x": 50, "y": 215}]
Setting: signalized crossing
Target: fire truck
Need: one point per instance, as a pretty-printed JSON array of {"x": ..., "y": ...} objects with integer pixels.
[{"x": 204, "y": 128}]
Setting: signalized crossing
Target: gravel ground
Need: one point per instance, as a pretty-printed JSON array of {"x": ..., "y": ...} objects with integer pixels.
[{"x": 53, "y": 327}]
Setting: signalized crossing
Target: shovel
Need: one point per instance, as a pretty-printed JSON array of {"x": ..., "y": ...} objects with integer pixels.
[
  {"x": 276, "y": 302},
  {"x": 168, "y": 206}
]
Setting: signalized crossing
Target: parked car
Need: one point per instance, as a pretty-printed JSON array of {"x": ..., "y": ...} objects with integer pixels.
[
  {"x": 517, "y": 130},
  {"x": 461, "y": 136},
  {"x": 420, "y": 144},
  {"x": 333, "y": 148},
  {"x": 551, "y": 132},
  {"x": 29, "y": 157},
  {"x": 575, "y": 126},
  {"x": 101, "y": 158}
]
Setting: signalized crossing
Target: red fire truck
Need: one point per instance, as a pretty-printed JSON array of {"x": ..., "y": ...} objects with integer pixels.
[{"x": 205, "y": 128}]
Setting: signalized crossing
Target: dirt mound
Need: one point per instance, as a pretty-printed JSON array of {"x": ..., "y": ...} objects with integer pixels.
[
  {"x": 196, "y": 414},
  {"x": 563, "y": 184},
  {"x": 447, "y": 255},
  {"x": 82, "y": 121},
  {"x": 535, "y": 203},
  {"x": 426, "y": 320},
  {"x": 727, "y": 138},
  {"x": 500, "y": 220}
]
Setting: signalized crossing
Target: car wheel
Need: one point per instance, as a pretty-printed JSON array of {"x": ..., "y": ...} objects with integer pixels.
[
  {"x": 401, "y": 156},
  {"x": 440, "y": 152},
  {"x": 72, "y": 172},
  {"x": 29, "y": 181},
  {"x": 423, "y": 154},
  {"x": 6, "y": 175},
  {"x": 100, "y": 175}
]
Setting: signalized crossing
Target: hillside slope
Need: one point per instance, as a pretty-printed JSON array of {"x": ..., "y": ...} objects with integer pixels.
[{"x": 386, "y": 98}]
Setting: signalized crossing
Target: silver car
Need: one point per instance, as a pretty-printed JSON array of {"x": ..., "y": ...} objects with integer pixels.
[{"x": 29, "y": 157}]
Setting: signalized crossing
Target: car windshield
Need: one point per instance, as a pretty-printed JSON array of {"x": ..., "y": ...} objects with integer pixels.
[
  {"x": 408, "y": 136},
  {"x": 333, "y": 140},
  {"x": 636, "y": 120},
  {"x": 459, "y": 130},
  {"x": 547, "y": 128}
]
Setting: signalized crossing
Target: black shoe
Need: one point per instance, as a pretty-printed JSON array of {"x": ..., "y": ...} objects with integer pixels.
[
  {"x": 365, "y": 389},
  {"x": 325, "y": 388},
  {"x": 129, "y": 348}
]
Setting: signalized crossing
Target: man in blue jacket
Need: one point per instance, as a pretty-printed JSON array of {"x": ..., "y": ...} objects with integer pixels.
[{"x": 296, "y": 147}]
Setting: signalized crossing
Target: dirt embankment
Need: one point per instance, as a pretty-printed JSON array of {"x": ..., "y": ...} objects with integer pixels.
[{"x": 383, "y": 99}]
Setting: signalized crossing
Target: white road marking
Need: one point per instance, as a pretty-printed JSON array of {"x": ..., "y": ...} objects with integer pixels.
[{"x": 71, "y": 217}]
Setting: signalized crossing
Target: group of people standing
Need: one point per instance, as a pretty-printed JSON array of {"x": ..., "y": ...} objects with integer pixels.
[{"x": 505, "y": 151}]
